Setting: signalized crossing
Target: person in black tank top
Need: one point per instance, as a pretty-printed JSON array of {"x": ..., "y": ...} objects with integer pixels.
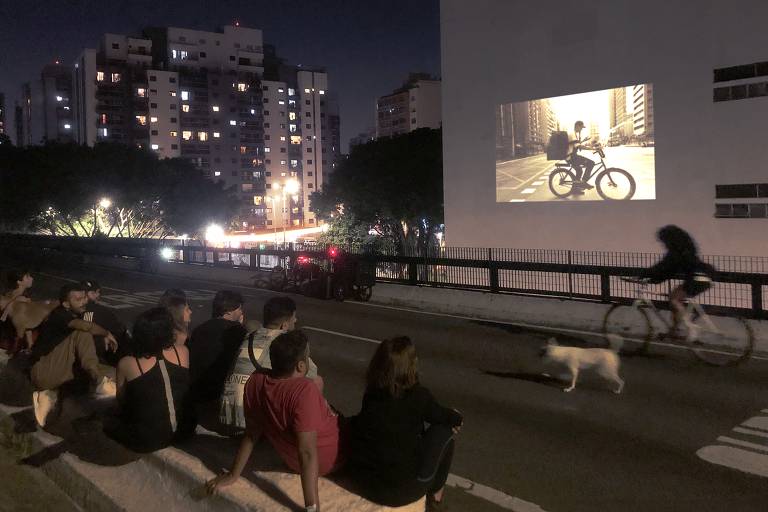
[{"x": 151, "y": 385}]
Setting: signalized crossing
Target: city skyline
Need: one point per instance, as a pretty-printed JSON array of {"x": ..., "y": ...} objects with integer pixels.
[{"x": 363, "y": 65}]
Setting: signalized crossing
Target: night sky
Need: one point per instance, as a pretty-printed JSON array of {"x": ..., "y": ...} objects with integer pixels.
[{"x": 367, "y": 46}]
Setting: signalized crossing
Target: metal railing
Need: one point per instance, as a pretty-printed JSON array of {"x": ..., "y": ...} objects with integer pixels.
[{"x": 740, "y": 287}]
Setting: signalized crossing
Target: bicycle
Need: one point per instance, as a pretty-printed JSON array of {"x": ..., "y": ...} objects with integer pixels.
[
  {"x": 712, "y": 344},
  {"x": 612, "y": 183}
]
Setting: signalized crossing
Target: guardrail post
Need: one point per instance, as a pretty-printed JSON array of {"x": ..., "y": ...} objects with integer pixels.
[
  {"x": 757, "y": 298},
  {"x": 605, "y": 287},
  {"x": 493, "y": 273},
  {"x": 413, "y": 274}
]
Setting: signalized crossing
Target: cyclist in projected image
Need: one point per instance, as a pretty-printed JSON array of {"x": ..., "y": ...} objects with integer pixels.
[
  {"x": 681, "y": 260},
  {"x": 581, "y": 164}
]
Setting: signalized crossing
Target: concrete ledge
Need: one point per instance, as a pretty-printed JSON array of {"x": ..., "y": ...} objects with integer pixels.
[{"x": 173, "y": 478}]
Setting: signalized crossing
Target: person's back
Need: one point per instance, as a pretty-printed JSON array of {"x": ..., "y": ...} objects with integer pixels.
[
  {"x": 213, "y": 348},
  {"x": 285, "y": 406},
  {"x": 151, "y": 385}
]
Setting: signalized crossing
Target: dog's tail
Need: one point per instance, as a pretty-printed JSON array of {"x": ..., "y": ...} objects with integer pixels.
[{"x": 615, "y": 342}]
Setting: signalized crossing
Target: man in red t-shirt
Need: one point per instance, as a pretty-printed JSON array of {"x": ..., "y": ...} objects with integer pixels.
[{"x": 289, "y": 409}]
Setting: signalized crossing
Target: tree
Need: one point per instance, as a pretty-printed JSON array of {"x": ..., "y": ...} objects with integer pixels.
[
  {"x": 393, "y": 186},
  {"x": 107, "y": 190}
]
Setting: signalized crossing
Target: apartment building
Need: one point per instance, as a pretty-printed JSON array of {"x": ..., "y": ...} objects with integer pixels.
[{"x": 414, "y": 105}]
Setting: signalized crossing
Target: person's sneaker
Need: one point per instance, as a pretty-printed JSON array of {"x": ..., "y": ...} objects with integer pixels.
[
  {"x": 44, "y": 402},
  {"x": 106, "y": 388}
]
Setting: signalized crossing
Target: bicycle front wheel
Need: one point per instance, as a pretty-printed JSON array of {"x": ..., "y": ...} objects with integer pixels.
[
  {"x": 561, "y": 182},
  {"x": 628, "y": 326},
  {"x": 614, "y": 184},
  {"x": 721, "y": 342}
]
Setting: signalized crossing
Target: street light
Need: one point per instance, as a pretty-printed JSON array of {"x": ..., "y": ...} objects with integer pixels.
[{"x": 105, "y": 202}]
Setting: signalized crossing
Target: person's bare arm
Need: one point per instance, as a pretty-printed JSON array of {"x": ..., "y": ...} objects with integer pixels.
[
  {"x": 95, "y": 329},
  {"x": 243, "y": 454},
  {"x": 310, "y": 467}
]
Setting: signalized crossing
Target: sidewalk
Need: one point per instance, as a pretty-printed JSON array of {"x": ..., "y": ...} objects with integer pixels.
[{"x": 99, "y": 475}]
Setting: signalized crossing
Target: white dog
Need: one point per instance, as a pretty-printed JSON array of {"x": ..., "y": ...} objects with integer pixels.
[{"x": 605, "y": 361}]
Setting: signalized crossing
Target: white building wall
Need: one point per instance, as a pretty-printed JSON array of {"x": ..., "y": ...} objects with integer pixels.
[
  {"x": 425, "y": 105},
  {"x": 164, "y": 107},
  {"x": 216, "y": 50},
  {"x": 312, "y": 88},
  {"x": 84, "y": 97},
  {"x": 276, "y": 161},
  {"x": 699, "y": 143}
]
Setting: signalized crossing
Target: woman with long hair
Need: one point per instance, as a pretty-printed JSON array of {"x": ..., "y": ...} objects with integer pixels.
[
  {"x": 181, "y": 314},
  {"x": 151, "y": 385},
  {"x": 395, "y": 459}
]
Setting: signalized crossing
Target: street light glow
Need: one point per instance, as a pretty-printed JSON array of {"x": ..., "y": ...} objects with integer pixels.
[
  {"x": 214, "y": 233},
  {"x": 105, "y": 202},
  {"x": 291, "y": 187},
  {"x": 166, "y": 253}
]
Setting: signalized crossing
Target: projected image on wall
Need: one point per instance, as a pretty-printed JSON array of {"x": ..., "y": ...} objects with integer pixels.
[{"x": 593, "y": 146}]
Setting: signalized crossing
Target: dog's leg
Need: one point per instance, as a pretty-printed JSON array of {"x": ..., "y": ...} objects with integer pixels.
[
  {"x": 620, "y": 382},
  {"x": 574, "y": 375}
]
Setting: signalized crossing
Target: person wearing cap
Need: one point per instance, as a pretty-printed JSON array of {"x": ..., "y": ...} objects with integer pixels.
[{"x": 102, "y": 315}]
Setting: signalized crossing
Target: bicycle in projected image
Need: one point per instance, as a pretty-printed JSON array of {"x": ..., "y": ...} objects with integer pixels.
[
  {"x": 721, "y": 342},
  {"x": 612, "y": 183}
]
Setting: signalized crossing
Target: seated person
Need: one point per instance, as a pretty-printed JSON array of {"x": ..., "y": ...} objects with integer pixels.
[
  {"x": 100, "y": 314},
  {"x": 392, "y": 456},
  {"x": 66, "y": 340},
  {"x": 213, "y": 348},
  {"x": 151, "y": 385},
  {"x": 169, "y": 294},
  {"x": 279, "y": 317},
  {"x": 290, "y": 411},
  {"x": 17, "y": 335}
]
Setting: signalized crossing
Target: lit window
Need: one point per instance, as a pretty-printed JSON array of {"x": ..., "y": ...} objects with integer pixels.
[
  {"x": 282, "y": 138},
  {"x": 99, "y": 76},
  {"x": 183, "y": 54},
  {"x": 282, "y": 162},
  {"x": 103, "y": 118},
  {"x": 202, "y": 135},
  {"x": 281, "y": 102},
  {"x": 216, "y": 135},
  {"x": 241, "y": 87},
  {"x": 321, "y": 91},
  {"x": 282, "y": 174},
  {"x": 67, "y": 126},
  {"x": 173, "y": 133},
  {"x": 217, "y": 173},
  {"x": 186, "y": 135},
  {"x": 142, "y": 120},
  {"x": 172, "y": 93},
  {"x": 292, "y": 128},
  {"x": 155, "y": 146},
  {"x": 185, "y": 108},
  {"x": 174, "y": 54},
  {"x": 184, "y": 95},
  {"x": 292, "y": 116},
  {"x": 66, "y": 108},
  {"x": 280, "y": 89},
  {"x": 141, "y": 92},
  {"x": 115, "y": 77},
  {"x": 104, "y": 132},
  {"x": 153, "y": 119},
  {"x": 253, "y": 111},
  {"x": 294, "y": 163},
  {"x": 215, "y": 108},
  {"x": 267, "y": 150},
  {"x": 295, "y": 139},
  {"x": 243, "y": 149},
  {"x": 291, "y": 91},
  {"x": 232, "y": 122},
  {"x": 257, "y": 200},
  {"x": 59, "y": 98},
  {"x": 306, "y": 91}
]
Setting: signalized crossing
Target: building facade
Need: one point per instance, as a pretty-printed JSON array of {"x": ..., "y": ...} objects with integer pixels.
[
  {"x": 206, "y": 97},
  {"x": 46, "y": 108},
  {"x": 417, "y": 104}
]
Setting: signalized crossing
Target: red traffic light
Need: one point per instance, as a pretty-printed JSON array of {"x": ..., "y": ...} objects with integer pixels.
[{"x": 333, "y": 252}]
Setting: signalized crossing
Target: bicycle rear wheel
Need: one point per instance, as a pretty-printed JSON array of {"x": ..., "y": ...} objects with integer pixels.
[
  {"x": 629, "y": 326},
  {"x": 615, "y": 184},
  {"x": 727, "y": 344},
  {"x": 561, "y": 181}
]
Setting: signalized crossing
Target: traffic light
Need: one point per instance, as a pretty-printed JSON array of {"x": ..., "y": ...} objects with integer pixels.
[{"x": 333, "y": 252}]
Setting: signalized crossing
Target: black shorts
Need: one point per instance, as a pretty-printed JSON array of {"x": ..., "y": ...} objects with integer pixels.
[{"x": 696, "y": 285}]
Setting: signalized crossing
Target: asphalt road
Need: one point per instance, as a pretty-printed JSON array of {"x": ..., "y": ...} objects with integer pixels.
[
  {"x": 526, "y": 179},
  {"x": 582, "y": 451}
]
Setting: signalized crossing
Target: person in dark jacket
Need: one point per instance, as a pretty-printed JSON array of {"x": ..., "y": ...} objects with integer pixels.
[
  {"x": 680, "y": 262},
  {"x": 393, "y": 457},
  {"x": 100, "y": 314}
]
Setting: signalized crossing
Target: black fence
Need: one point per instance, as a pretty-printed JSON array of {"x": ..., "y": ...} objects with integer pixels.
[{"x": 740, "y": 287}]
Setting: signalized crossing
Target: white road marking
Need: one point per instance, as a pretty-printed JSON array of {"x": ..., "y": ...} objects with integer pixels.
[
  {"x": 528, "y": 191},
  {"x": 344, "y": 335},
  {"x": 517, "y": 200},
  {"x": 489, "y": 494},
  {"x": 739, "y": 454},
  {"x": 746, "y": 444}
]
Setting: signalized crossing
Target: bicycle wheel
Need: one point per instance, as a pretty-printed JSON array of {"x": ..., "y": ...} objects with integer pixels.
[
  {"x": 727, "y": 344},
  {"x": 632, "y": 327},
  {"x": 614, "y": 184},
  {"x": 561, "y": 181}
]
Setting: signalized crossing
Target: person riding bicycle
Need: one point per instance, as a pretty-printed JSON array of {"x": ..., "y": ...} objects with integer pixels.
[
  {"x": 578, "y": 161},
  {"x": 681, "y": 261}
]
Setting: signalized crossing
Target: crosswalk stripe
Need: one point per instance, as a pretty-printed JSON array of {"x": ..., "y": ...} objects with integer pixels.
[
  {"x": 745, "y": 444},
  {"x": 742, "y": 430}
]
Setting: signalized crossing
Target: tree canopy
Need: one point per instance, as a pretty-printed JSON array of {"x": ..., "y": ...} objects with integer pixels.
[
  {"x": 106, "y": 190},
  {"x": 393, "y": 186}
]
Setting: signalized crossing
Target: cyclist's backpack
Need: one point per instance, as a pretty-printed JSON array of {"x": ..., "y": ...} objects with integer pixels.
[{"x": 557, "y": 149}]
